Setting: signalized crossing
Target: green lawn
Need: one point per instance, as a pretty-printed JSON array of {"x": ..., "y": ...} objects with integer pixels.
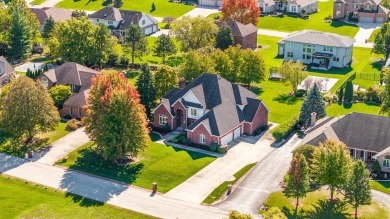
[
  {"x": 37, "y": 2},
  {"x": 315, "y": 22},
  {"x": 323, "y": 208},
  {"x": 57, "y": 133},
  {"x": 372, "y": 37},
  {"x": 383, "y": 186},
  {"x": 159, "y": 163},
  {"x": 221, "y": 189},
  {"x": 163, "y": 7},
  {"x": 28, "y": 200},
  {"x": 343, "y": 109}
]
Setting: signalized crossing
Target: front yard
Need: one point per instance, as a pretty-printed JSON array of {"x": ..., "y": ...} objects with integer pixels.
[
  {"x": 159, "y": 163},
  {"x": 383, "y": 186}
]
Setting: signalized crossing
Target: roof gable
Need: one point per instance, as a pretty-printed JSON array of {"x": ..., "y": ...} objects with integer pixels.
[
  {"x": 319, "y": 38},
  {"x": 239, "y": 29}
]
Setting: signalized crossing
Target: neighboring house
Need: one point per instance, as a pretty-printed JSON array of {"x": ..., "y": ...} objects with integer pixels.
[
  {"x": 76, "y": 76},
  {"x": 245, "y": 35},
  {"x": 211, "y": 110},
  {"x": 119, "y": 20},
  {"x": 215, "y": 3},
  {"x": 58, "y": 15},
  {"x": 318, "y": 49},
  {"x": 366, "y": 136},
  {"x": 365, "y": 11},
  {"x": 6, "y": 71},
  {"x": 290, "y": 6}
]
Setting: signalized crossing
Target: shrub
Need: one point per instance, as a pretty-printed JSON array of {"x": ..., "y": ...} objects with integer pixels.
[
  {"x": 167, "y": 26},
  {"x": 112, "y": 59},
  {"x": 221, "y": 150},
  {"x": 274, "y": 212},
  {"x": 376, "y": 167},
  {"x": 71, "y": 125},
  {"x": 216, "y": 17},
  {"x": 186, "y": 141},
  {"x": 300, "y": 93},
  {"x": 359, "y": 95},
  {"x": 166, "y": 128},
  {"x": 284, "y": 129},
  {"x": 237, "y": 215},
  {"x": 124, "y": 60},
  {"x": 213, "y": 147}
]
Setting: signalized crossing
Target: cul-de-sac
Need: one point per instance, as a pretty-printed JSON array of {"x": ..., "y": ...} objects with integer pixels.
[{"x": 195, "y": 109}]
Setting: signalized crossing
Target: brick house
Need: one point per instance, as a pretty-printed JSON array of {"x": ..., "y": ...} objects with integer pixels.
[
  {"x": 365, "y": 11},
  {"x": 211, "y": 110},
  {"x": 366, "y": 136},
  {"x": 6, "y": 71},
  {"x": 76, "y": 76},
  {"x": 245, "y": 35}
]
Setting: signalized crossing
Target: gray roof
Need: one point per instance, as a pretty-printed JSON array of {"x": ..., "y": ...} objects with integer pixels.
[
  {"x": 267, "y": 2},
  {"x": 303, "y": 3},
  {"x": 239, "y": 29},
  {"x": 58, "y": 14},
  {"x": 8, "y": 67},
  {"x": 383, "y": 10},
  {"x": 107, "y": 13},
  {"x": 319, "y": 38}
]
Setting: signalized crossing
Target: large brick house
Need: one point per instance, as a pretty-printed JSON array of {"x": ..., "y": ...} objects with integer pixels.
[
  {"x": 366, "y": 136},
  {"x": 365, "y": 11},
  {"x": 79, "y": 78},
  {"x": 211, "y": 110},
  {"x": 244, "y": 35},
  {"x": 6, "y": 71}
]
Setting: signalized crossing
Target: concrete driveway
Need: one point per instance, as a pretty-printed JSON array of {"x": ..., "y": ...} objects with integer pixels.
[
  {"x": 365, "y": 31},
  {"x": 264, "y": 179},
  {"x": 202, "y": 11},
  {"x": 245, "y": 151}
]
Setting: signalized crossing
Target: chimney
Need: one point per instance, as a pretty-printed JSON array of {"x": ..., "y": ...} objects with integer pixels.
[
  {"x": 182, "y": 83},
  {"x": 313, "y": 118}
]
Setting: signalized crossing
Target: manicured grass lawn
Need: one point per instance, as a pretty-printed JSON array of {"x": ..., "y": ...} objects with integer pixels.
[
  {"x": 163, "y": 7},
  {"x": 21, "y": 200},
  {"x": 383, "y": 186},
  {"x": 221, "y": 189},
  {"x": 315, "y": 22},
  {"x": 158, "y": 163},
  {"x": 57, "y": 133},
  {"x": 323, "y": 208},
  {"x": 372, "y": 37},
  {"x": 37, "y": 2},
  {"x": 343, "y": 109}
]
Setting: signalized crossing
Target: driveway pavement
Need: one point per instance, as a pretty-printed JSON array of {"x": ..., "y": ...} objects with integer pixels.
[
  {"x": 273, "y": 33},
  {"x": 202, "y": 11},
  {"x": 365, "y": 31},
  {"x": 264, "y": 179},
  {"x": 245, "y": 151},
  {"x": 47, "y": 3},
  {"x": 160, "y": 32},
  {"x": 381, "y": 197}
]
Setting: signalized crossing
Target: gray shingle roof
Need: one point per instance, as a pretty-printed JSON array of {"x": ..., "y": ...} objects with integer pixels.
[
  {"x": 58, "y": 14},
  {"x": 303, "y": 3},
  {"x": 8, "y": 67},
  {"x": 319, "y": 38},
  {"x": 239, "y": 29}
]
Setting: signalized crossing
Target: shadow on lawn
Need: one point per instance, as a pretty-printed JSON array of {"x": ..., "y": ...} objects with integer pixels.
[
  {"x": 322, "y": 210},
  {"x": 336, "y": 71},
  {"x": 287, "y": 99},
  {"x": 194, "y": 155},
  {"x": 338, "y": 24},
  {"x": 378, "y": 64}
]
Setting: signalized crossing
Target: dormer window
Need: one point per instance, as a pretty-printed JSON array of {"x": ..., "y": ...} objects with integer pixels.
[
  {"x": 367, "y": 7},
  {"x": 194, "y": 112}
]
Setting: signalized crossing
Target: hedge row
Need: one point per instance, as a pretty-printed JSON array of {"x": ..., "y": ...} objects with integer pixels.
[{"x": 284, "y": 129}]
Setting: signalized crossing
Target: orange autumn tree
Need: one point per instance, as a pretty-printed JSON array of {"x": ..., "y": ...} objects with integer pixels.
[
  {"x": 115, "y": 119},
  {"x": 243, "y": 11}
]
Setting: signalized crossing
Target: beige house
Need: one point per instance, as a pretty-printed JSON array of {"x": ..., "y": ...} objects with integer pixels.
[{"x": 364, "y": 11}]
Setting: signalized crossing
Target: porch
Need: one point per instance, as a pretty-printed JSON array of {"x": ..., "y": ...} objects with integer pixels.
[
  {"x": 366, "y": 156},
  {"x": 320, "y": 61}
]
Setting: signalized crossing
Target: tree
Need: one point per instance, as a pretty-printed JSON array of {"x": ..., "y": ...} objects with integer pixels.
[
  {"x": 236, "y": 58},
  {"x": 135, "y": 37},
  {"x": 118, "y": 3},
  {"x": 78, "y": 14},
  {"x": 357, "y": 188},
  {"x": 165, "y": 80},
  {"x": 48, "y": 27},
  {"x": 385, "y": 107},
  {"x": 348, "y": 94},
  {"x": 5, "y": 24},
  {"x": 223, "y": 64},
  {"x": 312, "y": 103},
  {"x": 115, "y": 119},
  {"x": 237, "y": 215},
  {"x": 145, "y": 87},
  {"x": 243, "y": 11},
  {"x": 59, "y": 94},
  {"x": 26, "y": 110},
  {"x": 341, "y": 92},
  {"x": 382, "y": 41},
  {"x": 194, "y": 65},
  {"x": 307, "y": 151},
  {"x": 164, "y": 46},
  {"x": 20, "y": 36},
  {"x": 385, "y": 3},
  {"x": 331, "y": 164},
  {"x": 297, "y": 181},
  {"x": 294, "y": 73},
  {"x": 274, "y": 213},
  {"x": 224, "y": 38},
  {"x": 103, "y": 44},
  {"x": 253, "y": 67},
  {"x": 194, "y": 32}
]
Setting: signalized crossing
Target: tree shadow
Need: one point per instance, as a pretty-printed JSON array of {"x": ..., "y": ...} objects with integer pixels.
[
  {"x": 347, "y": 105},
  {"x": 287, "y": 99},
  {"x": 325, "y": 209},
  {"x": 291, "y": 214},
  {"x": 193, "y": 154},
  {"x": 338, "y": 24},
  {"x": 333, "y": 70},
  {"x": 257, "y": 90},
  {"x": 377, "y": 64}
]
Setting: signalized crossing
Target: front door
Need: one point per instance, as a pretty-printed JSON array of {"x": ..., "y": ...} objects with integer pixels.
[{"x": 179, "y": 118}]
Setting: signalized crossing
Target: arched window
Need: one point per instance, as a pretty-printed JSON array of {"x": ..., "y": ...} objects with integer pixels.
[
  {"x": 45, "y": 82},
  {"x": 386, "y": 161}
]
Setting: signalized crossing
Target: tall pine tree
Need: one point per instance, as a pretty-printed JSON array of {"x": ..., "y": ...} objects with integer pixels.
[
  {"x": 164, "y": 47},
  {"x": 146, "y": 88},
  {"x": 312, "y": 103},
  {"x": 224, "y": 38},
  {"x": 348, "y": 95},
  {"x": 20, "y": 36},
  {"x": 135, "y": 37},
  {"x": 48, "y": 27}
]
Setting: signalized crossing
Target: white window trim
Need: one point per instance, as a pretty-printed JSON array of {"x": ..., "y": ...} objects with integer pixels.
[
  {"x": 194, "y": 110},
  {"x": 202, "y": 138},
  {"x": 386, "y": 162},
  {"x": 162, "y": 119},
  {"x": 292, "y": 55}
]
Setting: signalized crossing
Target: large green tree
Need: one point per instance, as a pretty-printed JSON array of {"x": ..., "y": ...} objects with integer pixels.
[
  {"x": 164, "y": 47},
  {"x": 20, "y": 35},
  {"x": 294, "y": 73},
  {"x": 48, "y": 27},
  {"x": 146, "y": 88},
  {"x": 331, "y": 165},
  {"x": 224, "y": 37},
  {"x": 236, "y": 59},
  {"x": 26, "y": 110},
  {"x": 194, "y": 32},
  {"x": 194, "y": 65},
  {"x": 103, "y": 44},
  {"x": 313, "y": 102},
  {"x": 307, "y": 151},
  {"x": 165, "y": 79},
  {"x": 5, "y": 24},
  {"x": 348, "y": 93},
  {"x": 59, "y": 94},
  {"x": 385, "y": 107},
  {"x": 223, "y": 64},
  {"x": 382, "y": 41},
  {"x": 115, "y": 119},
  {"x": 136, "y": 40},
  {"x": 357, "y": 188},
  {"x": 253, "y": 67}
]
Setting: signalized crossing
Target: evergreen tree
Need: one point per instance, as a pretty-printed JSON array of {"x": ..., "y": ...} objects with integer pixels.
[
  {"x": 385, "y": 107},
  {"x": 135, "y": 37},
  {"x": 164, "y": 46},
  {"x": 312, "y": 103},
  {"x": 146, "y": 88},
  {"x": 357, "y": 188},
  {"x": 224, "y": 38},
  {"x": 341, "y": 92},
  {"x": 20, "y": 36},
  {"x": 28, "y": 73},
  {"x": 48, "y": 27},
  {"x": 348, "y": 95},
  {"x": 118, "y": 3},
  {"x": 46, "y": 68},
  {"x": 297, "y": 182}
]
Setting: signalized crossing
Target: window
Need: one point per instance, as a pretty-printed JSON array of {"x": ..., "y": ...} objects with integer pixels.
[
  {"x": 290, "y": 54},
  {"x": 386, "y": 161},
  {"x": 73, "y": 87},
  {"x": 289, "y": 44},
  {"x": 97, "y": 20},
  {"x": 336, "y": 59},
  {"x": 143, "y": 22},
  {"x": 202, "y": 138},
  {"x": 45, "y": 82},
  {"x": 293, "y": 8},
  {"x": 280, "y": 4},
  {"x": 328, "y": 49},
  {"x": 110, "y": 23},
  {"x": 194, "y": 112},
  {"x": 338, "y": 13},
  {"x": 308, "y": 56},
  {"x": 356, "y": 6},
  {"x": 162, "y": 119},
  {"x": 338, "y": 5},
  {"x": 303, "y": 56},
  {"x": 367, "y": 7}
]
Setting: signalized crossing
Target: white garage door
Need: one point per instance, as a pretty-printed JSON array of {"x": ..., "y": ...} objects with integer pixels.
[
  {"x": 228, "y": 138},
  {"x": 237, "y": 133},
  {"x": 210, "y": 2},
  {"x": 148, "y": 30},
  {"x": 380, "y": 20},
  {"x": 366, "y": 19}
]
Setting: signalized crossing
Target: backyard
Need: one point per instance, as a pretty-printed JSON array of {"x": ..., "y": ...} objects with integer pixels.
[
  {"x": 163, "y": 7},
  {"x": 159, "y": 163},
  {"x": 21, "y": 199}
]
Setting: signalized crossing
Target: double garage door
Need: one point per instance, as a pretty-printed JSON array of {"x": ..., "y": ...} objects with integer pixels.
[
  {"x": 371, "y": 20},
  {"x": 229, "y": 137},
  {"x": 210, "y": 2}
]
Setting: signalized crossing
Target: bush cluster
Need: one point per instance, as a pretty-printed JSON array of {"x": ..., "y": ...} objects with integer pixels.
[
  {"x": 71, "y": 125},
  {"x": 284, "y": 129}
]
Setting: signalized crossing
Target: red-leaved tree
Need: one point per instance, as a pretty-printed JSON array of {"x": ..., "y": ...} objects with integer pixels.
[{"x": 243, "y": 11}]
